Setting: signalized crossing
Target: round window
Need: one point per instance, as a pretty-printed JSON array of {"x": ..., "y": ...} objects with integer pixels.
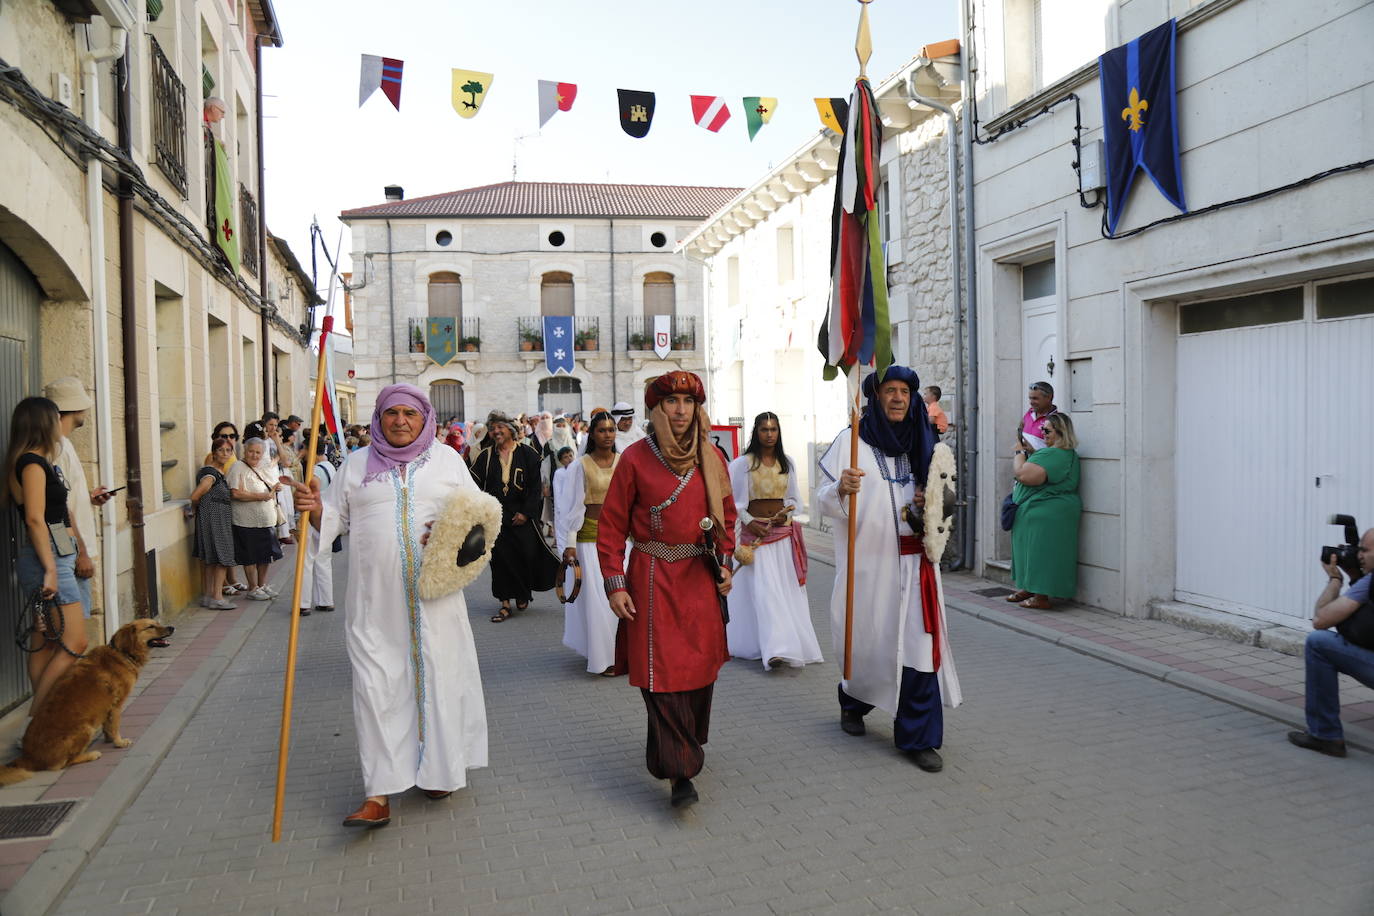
[
  {"x": 443, "y": 237},
  {"x": 658, "y": 240},
  {"x": 556, "y": 239}
]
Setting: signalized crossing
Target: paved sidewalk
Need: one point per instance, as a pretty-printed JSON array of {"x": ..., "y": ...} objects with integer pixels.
[
  {"x": 169, "y": 690},
  {"x": 1259, "y": 679}
]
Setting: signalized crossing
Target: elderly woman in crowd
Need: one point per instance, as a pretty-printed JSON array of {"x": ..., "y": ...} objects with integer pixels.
[
  {"x": 255, "y": 517},
  {"x": 214, "y": 542},
  {"x": 1044, "y": 537}
]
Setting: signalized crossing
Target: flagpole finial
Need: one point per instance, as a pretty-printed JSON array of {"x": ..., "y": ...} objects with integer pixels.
[{"x": 863, "y": 42}]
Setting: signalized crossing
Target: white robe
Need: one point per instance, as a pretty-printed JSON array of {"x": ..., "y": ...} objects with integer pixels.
[
  {"x": 411, "y": 658},
  {"x": 889, "y": 631},
  {"x": 769, "y": 614},
  {"x": 589, "y": 626},
  {"x": 625, "y": 438},
  {"x": 317, "y": 589}
]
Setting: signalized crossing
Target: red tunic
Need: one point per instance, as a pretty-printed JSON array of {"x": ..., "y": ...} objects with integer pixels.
[{"x": 677, "y": 639}]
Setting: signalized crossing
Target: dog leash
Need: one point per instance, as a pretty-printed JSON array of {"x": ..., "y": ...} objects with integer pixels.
[{"x": 39, "y": 616}]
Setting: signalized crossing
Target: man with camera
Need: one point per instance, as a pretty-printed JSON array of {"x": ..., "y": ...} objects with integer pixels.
[{"x": 1338, "y": 644}]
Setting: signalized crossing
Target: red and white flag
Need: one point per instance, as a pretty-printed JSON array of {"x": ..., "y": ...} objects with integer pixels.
[
  {"x": 710, "y": 111},
  {"x": 330, "y": 412}
]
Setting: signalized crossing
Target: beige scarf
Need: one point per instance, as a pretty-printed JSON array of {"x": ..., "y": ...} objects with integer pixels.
[{"x": 695, "y": 449}]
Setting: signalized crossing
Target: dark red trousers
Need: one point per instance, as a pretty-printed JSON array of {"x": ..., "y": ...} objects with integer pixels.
[{"x": 678, "y": 727}]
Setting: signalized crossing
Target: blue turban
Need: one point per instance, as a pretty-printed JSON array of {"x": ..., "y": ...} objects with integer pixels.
[{"x": 912, "y": 436}]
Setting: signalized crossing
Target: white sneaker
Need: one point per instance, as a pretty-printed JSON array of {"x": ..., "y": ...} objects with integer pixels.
[
  {"x": 258, "y": 594},
  {"x": 270, "y": 590}
]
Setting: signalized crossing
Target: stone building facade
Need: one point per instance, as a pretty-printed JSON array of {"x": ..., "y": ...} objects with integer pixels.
[
  {"x": 75, "y": 268},
  {"x": 496, "y": 259}
]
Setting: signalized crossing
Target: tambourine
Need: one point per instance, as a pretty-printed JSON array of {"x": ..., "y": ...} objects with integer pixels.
[{"x": 576, "y": 567}]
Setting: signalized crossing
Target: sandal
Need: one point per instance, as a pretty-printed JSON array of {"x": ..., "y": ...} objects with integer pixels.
[
  {"x": 502, "y": 616},
  {"x": 1036, "y": 603},
  {"x": 521, "y": 605},
  {"x": 1018, "y": 597}
]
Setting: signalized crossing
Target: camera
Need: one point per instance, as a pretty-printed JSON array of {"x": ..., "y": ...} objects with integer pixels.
[{"x": 1347, "y": 555}]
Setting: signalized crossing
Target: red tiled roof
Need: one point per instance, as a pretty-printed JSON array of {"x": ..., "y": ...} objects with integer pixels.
[{"x": 556, "y": 198}]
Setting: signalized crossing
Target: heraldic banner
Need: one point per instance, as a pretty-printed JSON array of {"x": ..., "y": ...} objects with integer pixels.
[
  {"x": 1140, "y": 118},
  {"x": 226, "y": 219},
  {"x": 441, "y": 339},
  {"x": 558, "y": 344},
  {"x": 663, "y": 335}
]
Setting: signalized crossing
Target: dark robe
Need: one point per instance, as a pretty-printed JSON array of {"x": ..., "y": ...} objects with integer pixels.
[{"x": 521, "y": 562}]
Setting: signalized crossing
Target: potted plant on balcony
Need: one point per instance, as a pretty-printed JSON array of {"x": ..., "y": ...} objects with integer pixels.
[
  {"x": 472, "y": 344},
  {"x": 585, "y": 339},
  {"x": 417, "y": 339},
  {"x": 682, "y": 341},
  {"x": 638, "y": 341},
  {"x": 531, "y": 339}
]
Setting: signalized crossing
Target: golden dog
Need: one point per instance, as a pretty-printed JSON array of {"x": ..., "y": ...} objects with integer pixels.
[{"x": 89, "y": 697}]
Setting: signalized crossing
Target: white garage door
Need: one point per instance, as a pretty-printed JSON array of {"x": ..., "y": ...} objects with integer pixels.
[{"x": 1274, "y": 437}]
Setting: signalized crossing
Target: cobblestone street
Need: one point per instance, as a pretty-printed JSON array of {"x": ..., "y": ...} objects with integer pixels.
[{"x": 1071, "y": 786}]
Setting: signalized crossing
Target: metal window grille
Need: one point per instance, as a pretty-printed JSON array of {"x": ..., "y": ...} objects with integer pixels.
[
  {"x": 169, "y": 119},
  {"x": 249, "y": 253}
]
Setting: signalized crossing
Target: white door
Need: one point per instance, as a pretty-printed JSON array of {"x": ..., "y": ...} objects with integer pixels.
[
  {"x": 1270, "y": 443},
  {"x": 1039, "y": 325}
]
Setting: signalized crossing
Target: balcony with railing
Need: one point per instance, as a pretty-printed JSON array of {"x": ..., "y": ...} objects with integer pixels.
[
  {"x": 249, "y": 253},
  {"x": 467, "y": 336},
  {"x": 169, "y": 118},
  {"x": 639, "y": 333},
  {"x": 586, "y": 334}
]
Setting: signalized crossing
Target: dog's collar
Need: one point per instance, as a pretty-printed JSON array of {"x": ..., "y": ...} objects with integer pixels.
[{"x": 133, "y": 661}]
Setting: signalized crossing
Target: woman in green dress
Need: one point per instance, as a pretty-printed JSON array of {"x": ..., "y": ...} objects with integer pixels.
[{"x": 1044, "y": 538}]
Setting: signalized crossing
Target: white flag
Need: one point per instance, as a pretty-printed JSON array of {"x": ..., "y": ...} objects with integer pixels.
[{"x": 663, "y": 339}]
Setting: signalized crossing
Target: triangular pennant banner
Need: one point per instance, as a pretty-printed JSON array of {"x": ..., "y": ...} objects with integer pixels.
[
  {"x": 470, "y": 89},
  {"x": 710, "y": 111},
  {"x": 758, "y": 111},
  {"x": 382, "y": 73},
  {"x": 834, "y": 113},
  {"x": 636, "y": 112},
  {"x": 553, "y": 98},
  {"x": 558, "y": 344}
]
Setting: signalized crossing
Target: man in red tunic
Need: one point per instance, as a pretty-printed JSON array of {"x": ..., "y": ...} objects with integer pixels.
[{"x": 672, "y": 630}]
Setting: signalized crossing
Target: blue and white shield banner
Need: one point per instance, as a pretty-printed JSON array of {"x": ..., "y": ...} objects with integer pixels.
[
  {"x": 558, "y": 344},
  {"x": 663, "y": 335},
  {"x": 441, "y": 340}
]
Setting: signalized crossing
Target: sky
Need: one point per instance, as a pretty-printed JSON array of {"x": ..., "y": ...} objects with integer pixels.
[{"x": 324, "y": 154}]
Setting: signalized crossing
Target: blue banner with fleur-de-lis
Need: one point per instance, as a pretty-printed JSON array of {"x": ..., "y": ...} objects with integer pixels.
[
  {"x": 441, "y": 339},
  {"x": 558, "y": 344},
  {"x": 1140, "y": 118}
]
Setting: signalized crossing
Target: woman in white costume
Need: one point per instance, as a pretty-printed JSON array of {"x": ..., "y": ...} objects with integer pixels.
[
  {"x": 589, "y": 627},
  {"x": 417, "y": 691},
  {"x": 769, "y": 615}
]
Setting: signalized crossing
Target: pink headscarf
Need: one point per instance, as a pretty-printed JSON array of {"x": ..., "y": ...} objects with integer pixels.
[{"x": 382, "y": 455}]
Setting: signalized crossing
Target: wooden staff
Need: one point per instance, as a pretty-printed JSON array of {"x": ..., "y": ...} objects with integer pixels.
[{"x": 302, "y": 545}]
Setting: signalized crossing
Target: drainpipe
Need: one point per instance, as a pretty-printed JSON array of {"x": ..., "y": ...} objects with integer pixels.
[
  {"x": 610, "y": 231},
  {"x": 391, "y": 300},
  {"x": 267, "y": 307},
  {"x": 955, "y": 270},
  {"x": 969, "y": 415},
  {"x": 95, "y": 219},
  {"x": 128, "y": 307}
]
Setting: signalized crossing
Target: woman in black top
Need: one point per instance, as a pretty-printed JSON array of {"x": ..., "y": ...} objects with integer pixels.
[{"x": 47, "y": 562}]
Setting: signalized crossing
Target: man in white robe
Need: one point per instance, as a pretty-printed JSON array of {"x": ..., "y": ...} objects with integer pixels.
[
  {"x": 902, "y": 663},
  {"x": 627, "y": 431},
  {"x": 417, "y": 691}
]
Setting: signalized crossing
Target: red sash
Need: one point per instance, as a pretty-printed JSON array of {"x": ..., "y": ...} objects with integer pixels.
[
  {"x": 909, "y": 544},
  {"x": 793, "y": 531}
]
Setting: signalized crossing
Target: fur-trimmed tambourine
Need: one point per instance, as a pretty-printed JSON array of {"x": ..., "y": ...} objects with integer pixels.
[
  {"x": 576, "y": 567},
  {"x": 938, "y": 517},
  {"x": 460, "y": 543}
]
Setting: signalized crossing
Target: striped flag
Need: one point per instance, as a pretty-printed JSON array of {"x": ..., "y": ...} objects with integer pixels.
[
  {"x": 382, "y": 73},
  {"x": 330, "y": 416},
  {"x": 710, "y": 111},
  {"x": 856, "y": 328}
]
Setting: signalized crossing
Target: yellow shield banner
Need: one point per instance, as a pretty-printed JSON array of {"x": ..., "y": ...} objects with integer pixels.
[{"x": 469, "y": 91}]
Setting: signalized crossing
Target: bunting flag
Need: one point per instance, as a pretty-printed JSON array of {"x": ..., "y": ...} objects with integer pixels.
[
  {"x": 555, "y": 97},
  {"x": 1140, "y": 119},
  {"x": 558, "y": 344},
  {"x": 856, "y": 328},
  {"x": 382, "y": 73},
  {"x": 226, "y": 216},
  {"x": 636, "y": 112},
  {"x": 441, "y": 340},
  {"x": 330, "y": 413},
  {"x": 470, "y": 89},
  {"x": 834, "y": 113},
  {"x": 758, "y": 111},
  {"x": 710, "y": 112}
]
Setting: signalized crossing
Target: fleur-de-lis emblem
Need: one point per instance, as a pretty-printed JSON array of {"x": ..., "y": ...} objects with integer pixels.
[{"x": 1134, "y": 113}]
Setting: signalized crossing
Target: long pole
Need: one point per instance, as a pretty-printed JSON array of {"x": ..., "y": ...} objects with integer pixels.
[
  {"x": 302, "y": 545},
  {"x": 853, "y": 525}
]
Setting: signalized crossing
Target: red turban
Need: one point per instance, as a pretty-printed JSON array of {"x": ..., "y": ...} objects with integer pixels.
[{"x": 687, "y": 383}]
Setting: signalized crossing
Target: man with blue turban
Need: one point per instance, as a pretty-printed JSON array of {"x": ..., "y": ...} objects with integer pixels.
[{"x": 901, "y": 659}]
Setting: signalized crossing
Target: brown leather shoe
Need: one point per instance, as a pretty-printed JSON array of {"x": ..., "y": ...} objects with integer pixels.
[
  {"x": 436, "y": 794},
  {"x": 370, "y": 814}
]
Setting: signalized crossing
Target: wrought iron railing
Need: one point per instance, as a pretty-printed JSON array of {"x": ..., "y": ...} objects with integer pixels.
[
  {"x": 469, "y": 337},
  {"x": 639, "y": 332},
  {"x": 169, "y": 119},
  {"x": 586, "y": 333},
  {"x": 249, "y": 253}
]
